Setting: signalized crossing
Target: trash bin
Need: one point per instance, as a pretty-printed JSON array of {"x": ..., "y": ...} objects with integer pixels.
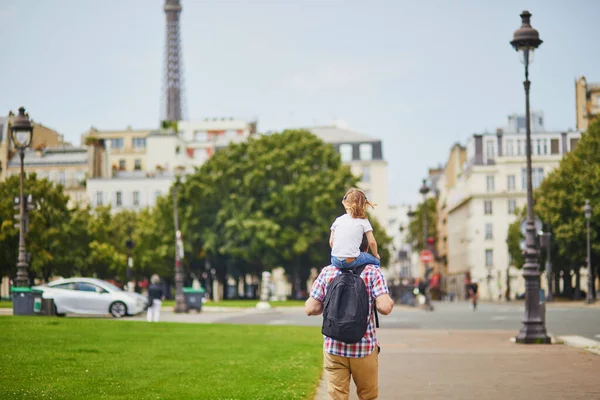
[
  {"x": 48, "y": 308},
  {"x": 193, "y": 298},
  {"x": 26, "y": 301}
]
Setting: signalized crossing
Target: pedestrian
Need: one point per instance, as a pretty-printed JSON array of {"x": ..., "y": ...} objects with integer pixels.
[
  {"x": 155, "y": 297},
  {"x": 358, "y": 360},
  {"x": 473, "y": 287},
  {"x": 347, "y": 233}
]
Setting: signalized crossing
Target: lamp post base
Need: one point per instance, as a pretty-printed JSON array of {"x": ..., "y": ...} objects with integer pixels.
[
  {"x": 263, "y": 305},
  {"x": 533, "y": 332}
]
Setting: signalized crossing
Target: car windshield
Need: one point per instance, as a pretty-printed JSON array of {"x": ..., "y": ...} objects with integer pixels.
[{"x": 112, "y": 287}]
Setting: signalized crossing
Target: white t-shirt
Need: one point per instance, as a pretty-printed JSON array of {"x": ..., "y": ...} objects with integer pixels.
[{"x": 347, "y": 235}]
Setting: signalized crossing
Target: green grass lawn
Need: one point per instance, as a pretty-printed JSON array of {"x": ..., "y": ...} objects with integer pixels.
[
  {"x": 5, "y": 304},
  {"x": 76, "y": 358},
  {"x": 242, "y": 303}
]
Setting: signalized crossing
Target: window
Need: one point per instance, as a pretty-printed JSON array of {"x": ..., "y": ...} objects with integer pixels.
[
  {"x": 511, "y": 183},
  {"x": 489, "y": 183},
  {"x": 137, "y": 165},
  {"x": 64, "y": 286},
  {"x": 545, "y": 148},
  {"x": 365, "y": 151},
  {"x": 346, "y": 152},
  {"x": 200, "y": 136},
  {"x": 509, "y": 148},
  {"x": 62, "y": 177},
  {"x": 520, "y": 147},
  {"x": 490, "y": 150},
  {"x": 366, "y": 174},
  {"x": 139, "y": 143},
  {"x": 487, "y": 207},
  {"x": 80, "y": 176},
  {"x": 537, "y": 177},
  {"x": 88, "y": 287},
  {"x": 538, "y": 147},
  {"x": 524, "y": 178},
  {"x": 573, "y": 142},
  {"x": 489, "y": 231},
  {"x": 122, "y": 165},
  {"x": 489, "y": 258},
  {"x": 554, "y": 149},
  {"x": 116, "y": 143},
  {"x": 99, "y": 198},
  {"x": 119, "y": 199},
  {"x": 136, "y": 198},
  {"x": 512, "y": 206}
]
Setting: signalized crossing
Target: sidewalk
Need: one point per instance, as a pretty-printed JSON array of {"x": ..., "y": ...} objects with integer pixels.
[{"x": 419, "y": 364}]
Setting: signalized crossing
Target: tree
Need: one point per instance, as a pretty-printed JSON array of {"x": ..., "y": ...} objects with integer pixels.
[
  {"x": 561, "y": 197},
  {"x": 48, "y": 237},
  {"x": 265, "y": 203},
  {"x": 415, "y": 227}
]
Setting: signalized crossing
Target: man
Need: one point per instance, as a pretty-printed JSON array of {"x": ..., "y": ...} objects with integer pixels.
[{"x": 357, "y": 359}]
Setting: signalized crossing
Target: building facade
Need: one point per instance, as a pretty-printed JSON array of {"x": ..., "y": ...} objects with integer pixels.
[
  {"x": 49, "y": 157},
  {"x": 483, "y": 199},
  {"x": 143, "y": 162},
  {"x": 364, "y": 155},
  {"x": 587, "y": 102}
]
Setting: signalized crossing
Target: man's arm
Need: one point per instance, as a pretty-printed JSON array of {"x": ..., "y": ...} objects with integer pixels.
[
  {"x": 314, "y": 307},
  {"x": 384, "y": 304}
]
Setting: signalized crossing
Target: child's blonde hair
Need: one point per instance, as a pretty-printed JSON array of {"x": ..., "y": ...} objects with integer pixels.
[{"x": 355, "y": 200}]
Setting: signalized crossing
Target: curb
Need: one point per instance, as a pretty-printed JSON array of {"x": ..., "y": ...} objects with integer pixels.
[{"x": 581, "y": 342}]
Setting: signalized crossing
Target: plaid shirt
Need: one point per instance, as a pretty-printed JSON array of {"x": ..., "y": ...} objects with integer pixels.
[{"x": 376, "y": 286}]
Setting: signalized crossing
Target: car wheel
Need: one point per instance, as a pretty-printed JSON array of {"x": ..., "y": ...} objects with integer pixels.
[
  {"x": 118, "y": 309},
  {"x": 57, "y": 313}
]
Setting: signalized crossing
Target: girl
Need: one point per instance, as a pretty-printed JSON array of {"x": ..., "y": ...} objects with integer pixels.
[{"x": 347, "y": 232}]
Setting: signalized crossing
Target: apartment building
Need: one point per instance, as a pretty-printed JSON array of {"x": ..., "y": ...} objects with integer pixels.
[
  {"x": 587, "y": 102},
  {"x": 364, "y": 155},
  {"x": 144, "y": 162},
  {"x": 50, "y": 157},
  {"x": 482, "y": 199}
]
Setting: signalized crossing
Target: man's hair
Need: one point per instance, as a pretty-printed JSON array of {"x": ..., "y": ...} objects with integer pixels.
[{"x": 356, "y": 201}]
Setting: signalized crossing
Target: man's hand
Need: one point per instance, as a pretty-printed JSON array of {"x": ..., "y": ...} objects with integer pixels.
[{"x": 313, "y": 307}]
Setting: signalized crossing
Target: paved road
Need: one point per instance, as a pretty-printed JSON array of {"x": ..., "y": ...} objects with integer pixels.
[{"x": 561, "y": 320}]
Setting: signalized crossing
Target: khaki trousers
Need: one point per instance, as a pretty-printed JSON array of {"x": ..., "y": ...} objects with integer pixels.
[{"x": 364, "y": 371}]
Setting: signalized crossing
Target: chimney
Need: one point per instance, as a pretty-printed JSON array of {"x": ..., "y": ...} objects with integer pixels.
[{"x": 499, "y": 133}]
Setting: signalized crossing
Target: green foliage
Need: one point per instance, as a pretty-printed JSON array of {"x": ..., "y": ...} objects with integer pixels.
[
  {"x": 415, "y": 227},
  {"x": 514, "y": 238},
  {"x": 47, "y": 234},
  {"x": 267, "y": 202},
  {"x": 83, "y": 359},
  {"x": 562, "y": 195}
]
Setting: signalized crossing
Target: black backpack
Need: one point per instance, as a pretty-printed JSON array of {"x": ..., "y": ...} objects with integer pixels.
[{"x": 346, "y": 307}]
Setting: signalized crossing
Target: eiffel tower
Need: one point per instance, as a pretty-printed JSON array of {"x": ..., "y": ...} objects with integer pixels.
[{"x": 173, "y": 68}]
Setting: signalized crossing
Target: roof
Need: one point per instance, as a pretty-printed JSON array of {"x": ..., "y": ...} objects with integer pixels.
[
  {"x": 334, "y": 134},
  {"x": 53, "y": 156}
]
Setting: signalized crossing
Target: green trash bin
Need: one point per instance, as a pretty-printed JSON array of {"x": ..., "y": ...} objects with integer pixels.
[
  {"x": 193, "y": 298},
  {"x": 26, "y": 301}
]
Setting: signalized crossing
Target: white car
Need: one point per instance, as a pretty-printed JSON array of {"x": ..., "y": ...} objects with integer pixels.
[{"x": 92, "y": 296}]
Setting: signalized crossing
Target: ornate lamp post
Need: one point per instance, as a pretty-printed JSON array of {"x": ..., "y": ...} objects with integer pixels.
[
  {"x": 22, "y": 133},
  {"x": 525, "y": 41},
  {"x": 424, "y": 190},
  {"x": 180, "y": 306},
  {"x": 587, "y": 209}
]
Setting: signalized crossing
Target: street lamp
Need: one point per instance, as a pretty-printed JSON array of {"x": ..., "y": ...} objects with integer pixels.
[
  {"x": 179, "y": 297},
  {"x": 22, "y": 133},
  {"x": 587, "y": 209},
  {"x": 424, "y": 190},
  {"x": 525, "y": 41}
]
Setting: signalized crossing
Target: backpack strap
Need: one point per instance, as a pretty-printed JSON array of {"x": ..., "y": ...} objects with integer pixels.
[{"x": 358, "y": 270}]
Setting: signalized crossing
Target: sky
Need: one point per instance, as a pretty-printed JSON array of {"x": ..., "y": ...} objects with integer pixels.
[{"x": 419, "y": 75}]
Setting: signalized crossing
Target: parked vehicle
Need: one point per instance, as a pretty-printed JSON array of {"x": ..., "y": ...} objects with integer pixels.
[{"x": 92, "y": 296}]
